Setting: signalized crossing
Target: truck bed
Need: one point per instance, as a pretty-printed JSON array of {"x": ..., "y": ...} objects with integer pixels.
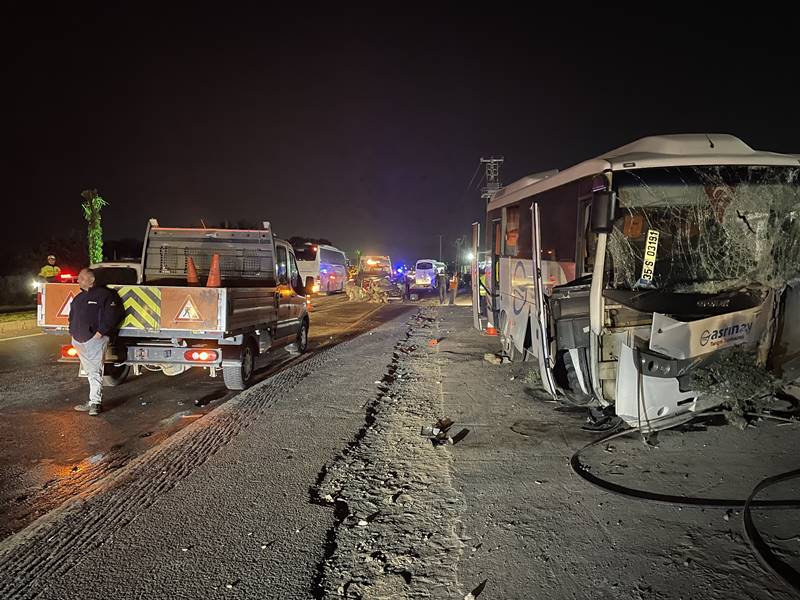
[{"x": 170, "y": 311}]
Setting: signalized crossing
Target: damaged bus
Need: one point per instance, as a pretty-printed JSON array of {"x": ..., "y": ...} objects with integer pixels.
[{"x": 632, "y": 278}]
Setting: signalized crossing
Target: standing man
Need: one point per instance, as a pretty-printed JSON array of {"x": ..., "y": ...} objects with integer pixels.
[
  {"x": 441, "y": 284},
  {"x": 453, "y": 288},
  {"x": 93, "y": 318},
  {"x": 51, "y": 270}
]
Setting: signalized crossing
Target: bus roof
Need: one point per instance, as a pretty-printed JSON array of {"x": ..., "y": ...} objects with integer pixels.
[
  {"x": 326, "y": 246},
  {"x": 686, "y": 149}
]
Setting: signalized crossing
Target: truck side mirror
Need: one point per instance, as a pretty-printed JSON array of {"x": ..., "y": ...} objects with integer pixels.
[
  {"x": 603, "y": 208},
  {"x": 309, "y": 285}
]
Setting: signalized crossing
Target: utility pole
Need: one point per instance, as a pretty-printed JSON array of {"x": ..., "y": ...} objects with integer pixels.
[
  {"x": 459, "y": 244},
  {"x": 492, "y": 177},
  {"x": 440, "y": 247}
]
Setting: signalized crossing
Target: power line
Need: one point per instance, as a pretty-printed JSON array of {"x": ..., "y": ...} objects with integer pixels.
[
  {"x": 469, "y": 185},
  {"x": 472, "y": 179}
]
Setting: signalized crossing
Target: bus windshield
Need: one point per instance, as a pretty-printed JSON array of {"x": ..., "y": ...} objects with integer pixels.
[
  {"x": 306, "y": 252},
  {"x": 704, "y": 229}
]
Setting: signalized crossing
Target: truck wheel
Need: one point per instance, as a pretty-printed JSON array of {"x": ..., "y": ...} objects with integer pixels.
[
  {"x": 239, "y": 377},
  {"x": 301, "y": 343},
  {"x": 115, "y": 375}
]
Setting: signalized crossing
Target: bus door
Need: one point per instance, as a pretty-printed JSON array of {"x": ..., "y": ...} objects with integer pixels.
[
  {"x": 493, "y": 297},
  {"x": 478, "y": 310},
  {"x": 540, "y": 316}
]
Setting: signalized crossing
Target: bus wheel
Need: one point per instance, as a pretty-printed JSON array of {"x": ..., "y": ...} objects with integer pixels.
[
  {"x": 575, "y": 396},
  {"x": 507, "y": 342}
]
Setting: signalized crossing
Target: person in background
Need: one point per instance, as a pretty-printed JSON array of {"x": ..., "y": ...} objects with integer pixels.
[
  {"x": 51, "y": 270},
  {"x": 441, "y": 285}
]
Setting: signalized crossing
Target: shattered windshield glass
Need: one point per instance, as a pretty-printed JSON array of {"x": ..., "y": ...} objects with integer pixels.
[{"x": 705, "y": 229}]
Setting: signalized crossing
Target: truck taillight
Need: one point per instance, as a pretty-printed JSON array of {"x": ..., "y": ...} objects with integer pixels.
[
  {"x": 69, "y": 351},
  {"x": 201, "y": 355},
  {"x": 39, "y": 298}
]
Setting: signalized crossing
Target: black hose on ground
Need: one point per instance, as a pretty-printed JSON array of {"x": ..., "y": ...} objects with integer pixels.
[
  {"x": 761, "y": 549},
  {"x": 768, "y": 559}
]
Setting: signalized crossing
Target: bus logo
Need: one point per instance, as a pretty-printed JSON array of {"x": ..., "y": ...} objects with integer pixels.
[{"x": 726, "y": 335}]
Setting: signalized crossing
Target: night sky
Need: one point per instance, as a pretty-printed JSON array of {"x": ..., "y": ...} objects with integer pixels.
[{"x": 364, "y": 128}]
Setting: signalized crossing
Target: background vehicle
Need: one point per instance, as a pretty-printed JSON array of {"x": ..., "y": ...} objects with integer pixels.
[
  {"x": 374, "y": 266},
  {"x": 123, "y": 272},
  {"x": 376, "y": 281},
  {"x": 171, "y": 326},
  {"x": 426, "y": 275},
  {"x": 326, "y": 265}
]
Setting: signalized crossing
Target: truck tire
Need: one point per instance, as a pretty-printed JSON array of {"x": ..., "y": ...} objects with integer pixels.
[
  {"x": 300, "y": 345},
  {"x": 114, "y": 375},
  {"x": 239, "y": 377}
]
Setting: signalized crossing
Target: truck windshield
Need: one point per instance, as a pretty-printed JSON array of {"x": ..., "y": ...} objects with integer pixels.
[
  {"x": 424, "y": 266},
  {"x": 376, "y": 264},
  {"x": 704, "y": 229}
]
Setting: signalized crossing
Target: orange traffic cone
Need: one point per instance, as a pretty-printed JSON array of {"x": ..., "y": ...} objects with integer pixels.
[
  {"x": 191, "y": 273},
  {"x": 491, "y": 330},
  {"x": 213, "y": 273}
]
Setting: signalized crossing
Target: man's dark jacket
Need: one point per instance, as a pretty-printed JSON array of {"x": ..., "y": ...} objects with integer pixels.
[{"x": 97, "y": 309}]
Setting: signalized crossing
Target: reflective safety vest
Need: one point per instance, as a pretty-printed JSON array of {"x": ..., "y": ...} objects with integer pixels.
[{"x": 50, "y": 271}]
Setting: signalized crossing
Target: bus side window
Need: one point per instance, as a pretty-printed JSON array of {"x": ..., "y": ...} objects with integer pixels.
[
  {"x": 559, "y": 220},
  {"x": 525, "y": 241},
  {"x": 512, "y": 230}
]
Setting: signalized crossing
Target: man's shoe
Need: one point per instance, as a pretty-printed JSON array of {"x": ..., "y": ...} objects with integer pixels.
[{"x": 92, "y": 408}]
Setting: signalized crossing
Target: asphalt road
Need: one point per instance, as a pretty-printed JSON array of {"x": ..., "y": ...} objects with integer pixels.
[{"x": 49, "y": 452}]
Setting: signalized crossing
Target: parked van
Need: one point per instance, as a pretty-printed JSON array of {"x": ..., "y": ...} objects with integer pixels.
[{"x": 426, "y": 273}]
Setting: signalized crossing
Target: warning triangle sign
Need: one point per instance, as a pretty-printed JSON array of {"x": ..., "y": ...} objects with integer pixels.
[
  {"x": 64, "y": 310},
  {"x": 188, "y": 311}
]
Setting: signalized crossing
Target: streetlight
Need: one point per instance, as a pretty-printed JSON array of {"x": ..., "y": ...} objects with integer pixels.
[{"x": 470, "y": 256}]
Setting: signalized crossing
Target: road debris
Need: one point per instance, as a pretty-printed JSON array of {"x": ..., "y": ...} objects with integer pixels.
[
  {"x": 496, "y": 359},
  {"x": 477, "y": 591}
]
